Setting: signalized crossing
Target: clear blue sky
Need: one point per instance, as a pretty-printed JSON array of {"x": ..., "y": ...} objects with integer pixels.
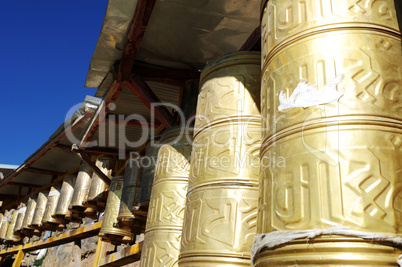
[{"x": 45, "y": 50}]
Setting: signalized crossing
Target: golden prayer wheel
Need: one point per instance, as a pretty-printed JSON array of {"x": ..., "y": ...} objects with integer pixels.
[
  {"x": 221, "y": 209},
  {"x": 166, "y": 209},
  {"x": 149, "y": 162},
  {"x": 180, "y": 138},
  {"x": 31, "y": 206},
  {"x": 108, "y": 232},
  {"x": 11, "y": 226},
  {"x": 20, "y": 219},
  {"x": 4, "y": 224},
  {"x": 48, "y": 221},
  {"x": 332, "y": 127},
  {"x": 130, "y": 193},
  {"x": 41, "y": 202},
  {"x": 98, "y": 190},
  {"x": 81, "y": 189},
  {"x": 66, "y": 196}
]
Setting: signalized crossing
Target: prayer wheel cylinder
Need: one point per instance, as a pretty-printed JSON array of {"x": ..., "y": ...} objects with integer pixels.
[
  {"x": 166, "y": 209},
  {"x": 41, "y": 202},
  {"x": 20, "y": 219},
  {"x": 98, "y": 189},
  {"x": 51, "y": 205},
  {"x": 340, "y": 157},
  {"x": 4, "y": 224},
  {"x": 81, "y": 189},
  {"x": 66, "y": 196},
  {"x": 108, "y": 232},
  {"x": 219, "y": 222},
  {"x": 180, "y": 138},
  {"x": 31, "y": 206},
  {"x": 131, "y": 191},
  {"x": 148, "y": 173},
  {"x": 11, "y": 226}
]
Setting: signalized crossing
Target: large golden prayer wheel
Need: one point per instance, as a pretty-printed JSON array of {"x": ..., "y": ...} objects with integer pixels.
[
  {"x": 221, "y": 209},
  {"x": 149, "y": 162},
  {"x": 66, "y": 196},
  {"x": 331, "y": 160},
  {"x": 31, "y": 206},
  {"x": 11, "y": 226},
  {"x": 130, "y": 193},
  {"x": 20, "y": 219},
  {"x": 98, "y": 190},
  {"x": 108, "y": 232},
  {"x": 81, "y": 189},
  {"x": 166, "y": 209},
  {"x": 48, "y": 221},
  {"x": 41, "y": 202},
  {"x": 180, "y": 138}
]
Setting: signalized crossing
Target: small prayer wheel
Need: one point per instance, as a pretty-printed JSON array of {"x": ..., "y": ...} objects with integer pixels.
[
  {"x": 41, "y": 202},
  {"x": 48, "y": 221},
  {"x": 81, "y": 189},
  {"x": 66, "y": 196}
]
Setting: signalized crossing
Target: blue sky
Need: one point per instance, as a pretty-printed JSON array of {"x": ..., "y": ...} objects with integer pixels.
[{"x": 45, "y": 50}]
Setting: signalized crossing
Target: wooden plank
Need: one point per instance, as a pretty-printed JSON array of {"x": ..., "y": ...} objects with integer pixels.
[
  {"x": 253, "y": 42},
  {"x": 134, "y": 38},
  {"x": 87, "y": 160},
  {"x": 165, "y": 75},
  {"x": 148, "y": 97},
  {"x": 110, "y": 119},
  {"x": 42, "y": 171},
  {"x": 125, "y": 256},
  {"x": 18, "y": 259}
]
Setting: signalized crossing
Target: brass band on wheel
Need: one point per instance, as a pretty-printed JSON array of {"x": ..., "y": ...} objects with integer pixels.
[
  {"x": 340, "y": 157},
  {"x": 219, "y": 221},
  {"x": 166, "y": 208}
]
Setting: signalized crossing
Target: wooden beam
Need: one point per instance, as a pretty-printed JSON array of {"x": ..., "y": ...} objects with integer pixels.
[
  {"x": 109, "y": 119},
  {"x": 126, "y": 255},
  {"x": 42, "y": 171},
  {"x": 253, "y": 42},
  {"x": 94, "y": 151},
  {"x": 148, "y": 97},
  {"x": 134, "y": 38},
  {"x": 87, "y": 160},
  {"x": 162, "y": 75},
  {"x": 100, "y": 114},
  {"x": 18, "y": 259},
  {"x": 24, "y": 185}
]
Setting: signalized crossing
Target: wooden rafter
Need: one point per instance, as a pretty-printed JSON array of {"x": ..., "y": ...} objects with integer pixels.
[
  {"x": 135, "y": 35},
  {"x": 42, "y": 171},
  {"x": 148, "y": 97},
  {"x": 110, "y": 119}
]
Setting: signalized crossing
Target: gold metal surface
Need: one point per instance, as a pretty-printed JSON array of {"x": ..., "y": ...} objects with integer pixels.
[
  {"x": 220, "y": 221},
  {"x": 226, "y": 152},
  {"x": 330, "y": 251},
  {"x": 51, "y": 205},
  {"x": 148, "y": 173},
  {"x": 40, "y": 209},
  {"x": 166, "y": 209},
  {"x": 286, "y": 20},
  {"x": 31, "y": 206},
  {"x": 81, "y": 189},
  {"x": 97, "y": 191},
  {"x": 337, "y": 163},
  {"x": 230, "y": 88},
  {"x": 369, "y": 61},
  {"x": 180, "y": 138},
  {"x": 108, "y": 232},
  {"x": 131, "y": 189},
  {"x": 4, "y": 224},
  {"x": 221, "y": 209},
  {"x": 66, "y": 196},
  {"x": 161, "y": 248},
  {"x": 11, "y": 226}
]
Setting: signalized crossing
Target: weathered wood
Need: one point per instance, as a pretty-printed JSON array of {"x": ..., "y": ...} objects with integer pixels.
[
  {"x": 134, "y": 38},
  {"x": 148, "y": 97},
  {"x": 253, "y": 42}
]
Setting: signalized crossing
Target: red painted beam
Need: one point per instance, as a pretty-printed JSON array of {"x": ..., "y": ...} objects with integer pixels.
[
  {"x": 148, "y": 97},
  {"x": 134, "y": 38}
]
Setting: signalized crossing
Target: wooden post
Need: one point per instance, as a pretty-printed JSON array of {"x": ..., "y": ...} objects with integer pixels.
[{"x": 18, "y": 258}]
